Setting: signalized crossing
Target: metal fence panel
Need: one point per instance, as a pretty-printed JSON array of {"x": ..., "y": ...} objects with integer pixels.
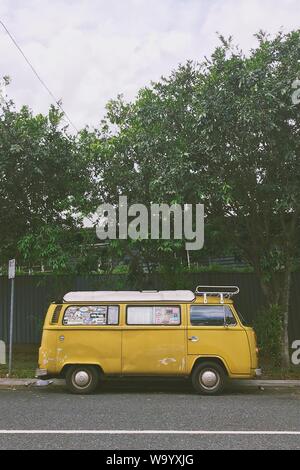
[{"x": 34, "y": 293}]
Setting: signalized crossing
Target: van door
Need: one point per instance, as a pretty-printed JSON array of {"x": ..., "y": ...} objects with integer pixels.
[
  {"x": 207, "y": 336},
  {"x": 153, "y": 340},
  {"x": 90, "y": 334}
]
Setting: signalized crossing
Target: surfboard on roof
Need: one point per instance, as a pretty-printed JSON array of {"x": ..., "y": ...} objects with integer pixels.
[{"x": 130, "y": 296}]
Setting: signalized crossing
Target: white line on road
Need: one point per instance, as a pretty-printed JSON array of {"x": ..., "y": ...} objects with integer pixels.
[{"x": 113, "y": 431}]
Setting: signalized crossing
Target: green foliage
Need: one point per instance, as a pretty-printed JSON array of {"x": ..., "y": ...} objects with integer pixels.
[
  {"x": 223, "y": 132},
  {"x": 268, "y": 327},
  {"x": 44, "y": 186},
  {"x": 250, "y": 135}
]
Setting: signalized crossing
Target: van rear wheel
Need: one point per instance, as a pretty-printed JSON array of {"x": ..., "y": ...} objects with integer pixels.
[
  {"x": 82, "y": 379},
  {"x": 208, "y": 378}
]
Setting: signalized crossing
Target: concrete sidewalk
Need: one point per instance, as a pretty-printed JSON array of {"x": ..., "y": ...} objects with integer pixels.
[{"x": 12, "y": 383}]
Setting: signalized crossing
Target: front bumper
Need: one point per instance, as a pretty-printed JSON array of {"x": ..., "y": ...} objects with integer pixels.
[{"x": 41, "y": 373}]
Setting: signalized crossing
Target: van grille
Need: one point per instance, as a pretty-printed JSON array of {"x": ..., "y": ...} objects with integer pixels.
[{"x": 56, "y": 313}]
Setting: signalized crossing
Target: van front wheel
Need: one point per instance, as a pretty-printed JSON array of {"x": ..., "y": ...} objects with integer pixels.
[
  {"x": 82, "y": 379},
  {"x": 208, "y": 378}
]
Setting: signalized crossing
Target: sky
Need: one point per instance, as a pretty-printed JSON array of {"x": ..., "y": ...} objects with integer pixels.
[{"x": 89, "y": 51}]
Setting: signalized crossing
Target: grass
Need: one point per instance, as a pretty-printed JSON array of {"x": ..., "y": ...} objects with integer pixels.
[
  {"x": 276, "y": 372},
  {"x": 25, "y": 359}
]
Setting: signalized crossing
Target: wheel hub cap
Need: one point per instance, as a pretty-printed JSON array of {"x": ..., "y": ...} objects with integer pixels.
[
  {"x": 209, "y": 379},
  {"x": 81, "y": 378}
]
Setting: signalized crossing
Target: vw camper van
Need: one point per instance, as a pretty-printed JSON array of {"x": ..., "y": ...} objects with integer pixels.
[{"x": 91, "y": 335}]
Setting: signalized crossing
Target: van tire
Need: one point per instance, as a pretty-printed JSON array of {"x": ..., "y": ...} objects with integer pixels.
[
  {"x": 208, "y": 378},
  {"x": 81, "y": 379}
]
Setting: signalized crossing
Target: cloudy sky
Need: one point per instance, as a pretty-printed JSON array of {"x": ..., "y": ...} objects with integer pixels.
[{"x": 88, "y": 51}]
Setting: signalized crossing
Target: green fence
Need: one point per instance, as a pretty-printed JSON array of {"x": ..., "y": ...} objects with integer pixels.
[{"x": 34, "y": 293}]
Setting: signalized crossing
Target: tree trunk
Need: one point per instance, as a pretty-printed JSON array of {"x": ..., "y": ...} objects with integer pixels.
[{"x": 285, "y": 349}]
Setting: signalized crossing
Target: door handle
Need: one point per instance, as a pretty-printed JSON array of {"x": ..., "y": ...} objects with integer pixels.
[{"x": 194, "y": 339}]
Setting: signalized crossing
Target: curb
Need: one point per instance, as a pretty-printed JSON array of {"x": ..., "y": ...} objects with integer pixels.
[
  {"x": 13, "y": 384},
  {"x": 267, "y": 383}
]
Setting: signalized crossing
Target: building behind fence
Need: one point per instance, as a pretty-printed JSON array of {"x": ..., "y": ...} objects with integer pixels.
[{"x": 34, "y": 293}]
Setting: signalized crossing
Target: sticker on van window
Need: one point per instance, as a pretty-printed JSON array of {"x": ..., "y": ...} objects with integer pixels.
[{"x": 91, "y": 315}]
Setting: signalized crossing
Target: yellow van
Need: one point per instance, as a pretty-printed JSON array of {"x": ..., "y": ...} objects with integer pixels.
[{"x": 149, "y": 333}]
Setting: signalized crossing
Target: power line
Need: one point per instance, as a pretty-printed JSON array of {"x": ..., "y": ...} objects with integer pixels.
[{"x": 38, "y": 76}]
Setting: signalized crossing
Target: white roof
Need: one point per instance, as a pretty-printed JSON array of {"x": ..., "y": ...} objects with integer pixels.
[{"x": 131, "y": 296}]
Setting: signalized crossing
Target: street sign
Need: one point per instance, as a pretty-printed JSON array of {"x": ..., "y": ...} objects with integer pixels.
[{"x": 11, "y": 269}]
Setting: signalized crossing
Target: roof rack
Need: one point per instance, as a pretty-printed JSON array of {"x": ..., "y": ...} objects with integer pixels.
[{"x": 217, "y": 291}]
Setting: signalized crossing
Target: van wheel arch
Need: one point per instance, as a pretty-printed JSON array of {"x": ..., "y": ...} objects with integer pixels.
[
  {"x": 216, "y": 360},
  {"x": 66, "y": 367}
]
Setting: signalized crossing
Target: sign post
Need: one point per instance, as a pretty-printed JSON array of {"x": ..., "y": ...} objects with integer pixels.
[{"x": 11, "y": 276}]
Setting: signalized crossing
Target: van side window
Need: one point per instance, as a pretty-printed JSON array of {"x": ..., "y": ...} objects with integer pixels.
[
  {"x": 153, "y": 315},
  {"x": 89, "y": 315},
  {"x": 211, "y": 315}
]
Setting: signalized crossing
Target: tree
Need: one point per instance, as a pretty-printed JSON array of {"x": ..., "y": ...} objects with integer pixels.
[
  {"x": 226, "y": 133},
  {"x": 142, "y": 150},
  {"x": 249, "y": 131},
  {"x": 44, "y": 180}
]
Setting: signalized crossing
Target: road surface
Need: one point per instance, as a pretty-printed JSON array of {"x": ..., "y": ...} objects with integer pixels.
[{"x": 149, "y": 415}]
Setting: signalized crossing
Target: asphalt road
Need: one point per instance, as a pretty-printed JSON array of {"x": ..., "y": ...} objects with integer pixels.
[{"x": 149, "y": 406}]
